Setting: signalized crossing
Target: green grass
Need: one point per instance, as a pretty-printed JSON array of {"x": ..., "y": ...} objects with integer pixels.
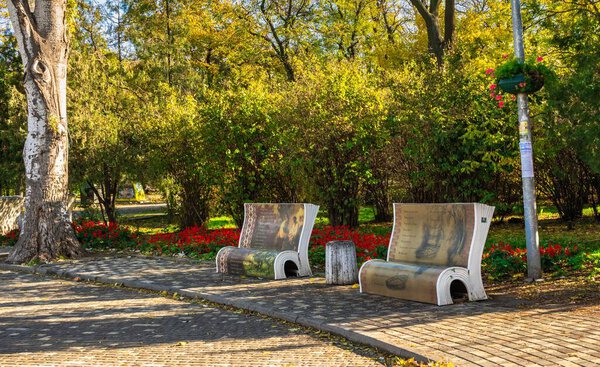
[
  {"x": 366, "y": 214},
  {"x": 151, "y": 225},
  {"x": 221, "y": 222},
  {"x": 547, "y": 211},
  {"x": 586, "y": 233},
  {"x": 163, "y": 224}
]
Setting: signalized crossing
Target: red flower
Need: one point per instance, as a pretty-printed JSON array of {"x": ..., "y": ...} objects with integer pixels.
[
  {"x": 493, "y": 86},
  {"x": 489, "y": 71},
  {"x": 539, "y": 59},
  {"x": 501, "y": 104},
  {"x": 498, "y": 97},
  {"x": 504, "y": 56},
  {"x": 522, "y": 85}
]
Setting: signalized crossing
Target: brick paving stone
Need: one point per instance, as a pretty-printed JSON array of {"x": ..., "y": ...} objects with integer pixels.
[
  {"x": 479, "y": 332},
  {"x": 48, "y": 322}
]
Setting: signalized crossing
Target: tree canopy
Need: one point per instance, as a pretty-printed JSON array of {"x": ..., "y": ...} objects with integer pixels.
[{"x": 340, "y": 102}]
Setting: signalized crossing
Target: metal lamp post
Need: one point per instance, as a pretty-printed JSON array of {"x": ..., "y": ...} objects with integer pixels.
[{"x": 534, "y": 267}]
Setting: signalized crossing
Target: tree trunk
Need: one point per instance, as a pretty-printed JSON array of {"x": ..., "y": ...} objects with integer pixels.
[
  {"x": 289, "y": 69},
  {"x": 437, "y": 44},
  {"x": 42, "y": 38},
  {"x": 195, "y": 202},
  {"x": 342, "y": 214},
  {"x": 108, "y": 194},
  {"x": 435, "y": 41},
  {"x": 449, "y": 23}
]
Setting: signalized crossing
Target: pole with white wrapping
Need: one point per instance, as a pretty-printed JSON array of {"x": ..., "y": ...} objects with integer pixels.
[{"x": 534, "y": 267}]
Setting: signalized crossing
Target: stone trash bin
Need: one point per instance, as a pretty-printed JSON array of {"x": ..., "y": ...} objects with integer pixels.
[{"x": 340, "y": 263}]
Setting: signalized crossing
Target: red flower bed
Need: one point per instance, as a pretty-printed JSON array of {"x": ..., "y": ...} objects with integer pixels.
[
  {"x": 502, "y": 260},
  {"x": 100, "y": 235},
  {"x": 10, "y": 238},
  {"x": 197, "y": 242}
]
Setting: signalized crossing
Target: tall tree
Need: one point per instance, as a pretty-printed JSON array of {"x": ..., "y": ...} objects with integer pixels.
[
  {"x": 391, "y": 15},
  {"x": 347, "y": 25},
  {"x": 283, "y": 24},
  {"x": 430, "y": 13},
  {"x": 41, "y": 33}
]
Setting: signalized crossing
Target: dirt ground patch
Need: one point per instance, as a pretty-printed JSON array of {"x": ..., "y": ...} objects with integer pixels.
[{"x": 574, "y": 290}]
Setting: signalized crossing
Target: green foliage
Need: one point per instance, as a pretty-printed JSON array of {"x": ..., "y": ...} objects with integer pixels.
[
  {"x": 9, "y": 239},
  {"x": 503, "y": 260},
  {"x": 337, "y": 102},
  {"x": 456, "y": 145},
  {"x": 252, "y": 151},
  {"x": 13, "y": 117},
  {"x": 528, "y": 76},
  {"x": 340, "y": 116},
  {"x": 593, "y": 260},
  {"x": 568, "y": 140},
  {"x": 532, "y": 67},
  {"x": 316, "y": 257}
]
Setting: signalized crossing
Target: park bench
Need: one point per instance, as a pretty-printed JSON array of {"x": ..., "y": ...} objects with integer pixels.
[
  {"x": 11, "y": 208},
  {"x": 273, "y": 242},
  {"x": 434, "y": 254}
]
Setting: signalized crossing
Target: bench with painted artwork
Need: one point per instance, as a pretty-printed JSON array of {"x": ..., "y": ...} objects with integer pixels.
[
  {"x": 273, "y": 242},
  {"x": 434, "y": 254}
]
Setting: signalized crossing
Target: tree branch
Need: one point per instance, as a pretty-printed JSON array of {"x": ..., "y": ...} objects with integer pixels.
[
  {"x": 23, "y": 12},
  {"x": 422, "y": 9},
  {"x": 434, "y": 5}
]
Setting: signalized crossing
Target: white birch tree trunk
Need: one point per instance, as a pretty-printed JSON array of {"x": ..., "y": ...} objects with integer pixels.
[{"x": 41, "y": 32}]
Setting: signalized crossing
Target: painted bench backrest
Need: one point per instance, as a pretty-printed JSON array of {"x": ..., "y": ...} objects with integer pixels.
[
  {"x": 275, "y": 227},
  {"x": 432, "y": 234}
]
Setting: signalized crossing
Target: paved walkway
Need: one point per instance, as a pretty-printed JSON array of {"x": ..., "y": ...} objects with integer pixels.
[
  {"x": 48, "y": 322},
  {"x": 489, "y": 333}
]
